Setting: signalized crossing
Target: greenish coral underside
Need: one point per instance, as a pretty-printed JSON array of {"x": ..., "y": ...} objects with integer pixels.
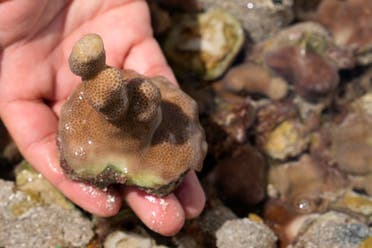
[{"x": 146, "y": 179}]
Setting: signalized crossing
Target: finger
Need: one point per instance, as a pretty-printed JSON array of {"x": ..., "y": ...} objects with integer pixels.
[
  {"x": 147, "y": 58},
  {"x": 103, "y": 203},
  {"x": 191, "y": 195},
  {"x": 33, "y": 126},
  {"x": 163, "y": 215}
]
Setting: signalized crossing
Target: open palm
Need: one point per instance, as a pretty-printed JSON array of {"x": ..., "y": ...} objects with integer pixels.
[{"x": 36, "y": 38}]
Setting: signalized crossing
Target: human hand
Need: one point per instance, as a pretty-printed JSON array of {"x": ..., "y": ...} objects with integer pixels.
[{"x": 35, "y": 40}]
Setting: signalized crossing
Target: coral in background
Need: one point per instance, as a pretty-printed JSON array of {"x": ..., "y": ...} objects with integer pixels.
[
  {"x": 350, "y": 24},
  {"x": 204, "y": 44}
]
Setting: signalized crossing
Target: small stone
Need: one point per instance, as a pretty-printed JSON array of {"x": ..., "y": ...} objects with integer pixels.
[
  {"x": 121, "y": 239},
  {"x": 354, "y": 202},
  {"x": 308, "y": 37},
  {"x": 242, "y": 177},
  {"x": 38, "y": 188},
  {"x": 350, "y": 24},
  {"x": 279, "y": 215},
  {"x": 204, "y": 44},
  {"x": 269, "y": 117},
  {"x": 39, "y": 225},
  {"x": 351, "y": 139},
  {"x": 201, "y": 232},
  {"x": 232, "y": 113},
  {"x": 260, "y": 18},
  {"x": 256, "y": 218},
  {"x": 245, "y": 233},
  {"x": 333, "y": 229},
  {"x": 289, "y": 139},
  {"x": 307, "y": 184},
  {"x": 313, "y": 76},
  {"x": 214, "y": 218}
]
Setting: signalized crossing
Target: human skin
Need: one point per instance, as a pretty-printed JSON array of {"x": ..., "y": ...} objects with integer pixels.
[{"x": 36, "y": 38}]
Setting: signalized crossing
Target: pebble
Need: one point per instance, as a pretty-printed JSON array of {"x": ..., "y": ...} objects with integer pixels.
[{"x": 245, "y": 233}]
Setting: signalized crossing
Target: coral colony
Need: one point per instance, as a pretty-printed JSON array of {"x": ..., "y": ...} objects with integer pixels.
[{"x": 122, "y": 127}]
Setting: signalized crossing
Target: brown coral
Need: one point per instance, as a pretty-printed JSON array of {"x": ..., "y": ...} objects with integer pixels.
[
  {"x": 312, "y": 75},
  {"x": 204, "y": 44},
  {"x": 307, "y": 184},
  {"x": 253, "y": 78},
  {"x": 234, "y": 114},
  {"x": 247, "y": 167},
  {"x": 351, "y": 139},
  {"x": 305, "y": 56},
  {"x": 269, "y": 117},
  {"x": 350, "y": 24},
  {"x": 123, "y": 127}
]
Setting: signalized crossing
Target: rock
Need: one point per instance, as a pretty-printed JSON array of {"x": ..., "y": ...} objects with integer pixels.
[
  {"x": 204, "y": 44},
  {"x": 307, "y": 185},
  {"x": 351, "y": 139},
  {"x": 232, "y": 113},
  {"x": 288, "y": 139},
  {"x": 312, "y": 75},
  {"x": 355, "y": 203},
  {"x": 350, "y": 24},
  {"x": 242, "y": 177},
  {"x": 305, "y": 56},
  {"x": 311, "y": 111},
  {"x": 350, "y": 144},
  {"x": 121, "y": 239},
  {"x": 201, "y": 232},
  {"x": 214, "y": 218},
  {"x": 260, "y": 18},
  {"x": 185, "y": 241},
  {"x": 332, "y": 229},
  {"x": 269, "y": 117},
  {"x": 38, "y": 188},
  {"x": 39, "y": 225},
  {"x": 245, "y": 233}
]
